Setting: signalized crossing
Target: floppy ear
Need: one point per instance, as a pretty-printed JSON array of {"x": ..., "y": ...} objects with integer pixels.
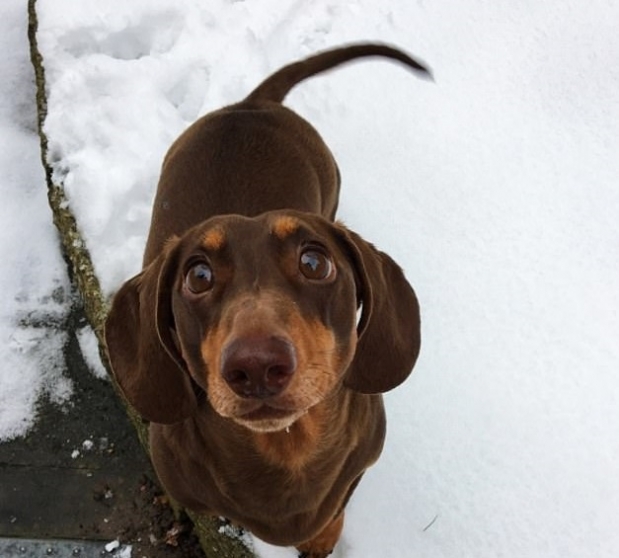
[
  {"x": 145, "y": 360},
  {"x": 389, "y": 328}
]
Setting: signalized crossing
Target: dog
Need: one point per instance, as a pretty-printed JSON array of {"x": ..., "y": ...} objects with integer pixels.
[{"x": 260, "y": 334}]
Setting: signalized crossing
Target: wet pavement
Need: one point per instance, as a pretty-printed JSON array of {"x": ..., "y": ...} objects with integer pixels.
[
  {"x": 63, "y": 477},
  {"x": 82, "y": 475}
]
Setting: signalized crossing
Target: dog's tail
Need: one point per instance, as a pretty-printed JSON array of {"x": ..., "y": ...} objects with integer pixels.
[{"x": 276, "y": 87}]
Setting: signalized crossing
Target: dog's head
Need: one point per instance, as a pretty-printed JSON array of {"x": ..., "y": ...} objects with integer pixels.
[{"x": 261, "y": 315}]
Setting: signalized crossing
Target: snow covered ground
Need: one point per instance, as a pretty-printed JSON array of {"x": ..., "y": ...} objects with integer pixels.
[
  {"x": 496, "y": 188},
  {"x": 33, "y": 279}
]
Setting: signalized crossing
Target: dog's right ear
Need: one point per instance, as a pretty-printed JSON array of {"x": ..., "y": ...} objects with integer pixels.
[
  {"x": 389, "y": 329},
  {"x": 144, "y": 356}
]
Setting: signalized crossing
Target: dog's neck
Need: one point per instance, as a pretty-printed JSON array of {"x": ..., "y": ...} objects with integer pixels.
[{"x": 308, "y": 437}]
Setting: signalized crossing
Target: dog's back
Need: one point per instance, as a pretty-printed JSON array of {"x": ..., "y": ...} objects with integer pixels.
[{"x": 254, "y": 156}]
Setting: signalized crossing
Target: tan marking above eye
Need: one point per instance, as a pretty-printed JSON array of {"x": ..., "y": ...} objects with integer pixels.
[
  {"x": 214, "y": 239},
  {"x": 285, "y": 226}
]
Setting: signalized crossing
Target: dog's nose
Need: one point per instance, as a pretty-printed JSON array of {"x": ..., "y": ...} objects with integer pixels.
[{"x": 258, "y": 367}]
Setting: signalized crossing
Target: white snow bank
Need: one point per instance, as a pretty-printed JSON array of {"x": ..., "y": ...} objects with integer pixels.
[{"x": 32, "y": 275}]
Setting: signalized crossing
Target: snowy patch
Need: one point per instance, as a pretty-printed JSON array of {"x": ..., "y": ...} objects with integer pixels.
[
  {"x": 32, "y": 368},
  {"x": 111, "y": 546},
  {"x": 89, "y": 345},
  {"x": 32, "y": 275}
]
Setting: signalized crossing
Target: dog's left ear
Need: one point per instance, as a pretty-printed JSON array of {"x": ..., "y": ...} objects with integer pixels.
[
  {"x": 145, "y": 360},
  {"x": 389, "y": 328}
]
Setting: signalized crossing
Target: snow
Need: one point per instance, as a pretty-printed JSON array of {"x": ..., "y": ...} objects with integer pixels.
[
  {"x": 115, "y": 549},
  {"x": 495, "y": 188},
  {"x": 89, "y": 347},
  {"x": 33, "y": 277},
  {"x": 111, "y": 546}
]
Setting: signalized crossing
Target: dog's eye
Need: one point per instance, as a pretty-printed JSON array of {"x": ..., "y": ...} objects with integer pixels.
[
  {"x": 315, "y": 264},
  {"x": 199, "y": 278}
]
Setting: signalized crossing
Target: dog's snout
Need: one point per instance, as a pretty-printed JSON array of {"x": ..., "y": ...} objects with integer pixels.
[{"x": 258, "y": 367}]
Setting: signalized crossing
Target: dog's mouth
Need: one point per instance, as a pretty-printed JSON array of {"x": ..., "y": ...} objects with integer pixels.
[
  {"x": 265, "y": 412},
  {"x": 269, "y": 419}
]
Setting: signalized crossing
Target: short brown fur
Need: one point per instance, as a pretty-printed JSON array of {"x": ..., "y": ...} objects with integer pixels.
[{"x": 263, "y": 391}]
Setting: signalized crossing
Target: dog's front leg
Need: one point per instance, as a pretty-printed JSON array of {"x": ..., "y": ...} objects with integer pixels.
[{"x": 323, "y": 543}]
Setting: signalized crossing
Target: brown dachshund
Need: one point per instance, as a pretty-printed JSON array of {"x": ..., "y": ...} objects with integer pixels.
[{"x": 239, "y": 340}]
